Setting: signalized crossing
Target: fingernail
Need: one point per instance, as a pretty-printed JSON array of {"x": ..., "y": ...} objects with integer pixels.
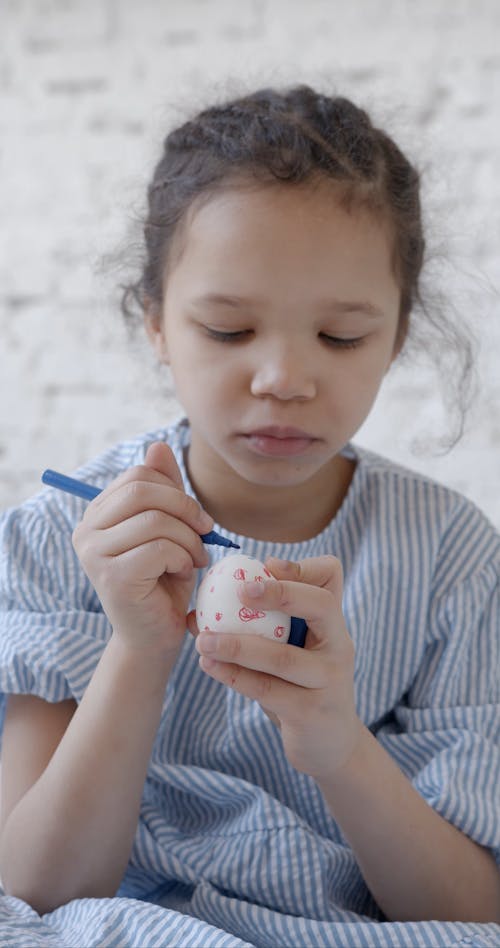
[
  {"x": 205, "y": 520},
  {"x": 254, "y": 589},
  {"x": 207, "y": 663}
]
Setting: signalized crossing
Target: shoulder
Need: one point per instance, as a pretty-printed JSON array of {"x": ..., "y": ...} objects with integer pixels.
[{"x": 416, "y": 512}]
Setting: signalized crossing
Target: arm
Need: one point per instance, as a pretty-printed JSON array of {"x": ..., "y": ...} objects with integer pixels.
[
  {"x": 416, "y": 864},
  {"x": 73, "y": 776},
  {"x": 70, "y": 811}
]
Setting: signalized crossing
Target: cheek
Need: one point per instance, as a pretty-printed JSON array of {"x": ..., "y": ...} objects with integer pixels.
[
  {"x": 358, "y": 380},
  {"x": 374, "y": 357},
  {"x": 190, "y": 366},
  {"x": 203, "y": 389}
]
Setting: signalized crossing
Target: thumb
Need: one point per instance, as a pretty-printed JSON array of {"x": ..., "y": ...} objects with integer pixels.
[{"x": 161, "y": 458}]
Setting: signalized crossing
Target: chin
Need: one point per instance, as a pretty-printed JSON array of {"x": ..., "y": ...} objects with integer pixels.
[{"x": 278, "y": 473}]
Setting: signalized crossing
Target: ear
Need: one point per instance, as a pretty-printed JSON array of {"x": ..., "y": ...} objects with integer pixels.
[{"x": 153, "y": 325}]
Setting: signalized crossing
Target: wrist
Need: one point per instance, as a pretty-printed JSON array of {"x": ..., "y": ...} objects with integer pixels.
[
  {"x": 155, "y": 659},
  {"x": 344, "y": 769}
]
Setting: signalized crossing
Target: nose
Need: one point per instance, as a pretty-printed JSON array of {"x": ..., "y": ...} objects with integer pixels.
[{"x": 282, "y": 371}]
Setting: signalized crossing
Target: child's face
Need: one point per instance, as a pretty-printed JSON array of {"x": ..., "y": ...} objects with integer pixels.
[{"x": 301, "y": 272}]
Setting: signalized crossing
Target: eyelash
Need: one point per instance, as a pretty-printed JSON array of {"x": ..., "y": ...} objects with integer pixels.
[
  {"x": 222, "y": 336},
  {"x": 343, "y": 343},
  {"x": 334, "y": 341}
]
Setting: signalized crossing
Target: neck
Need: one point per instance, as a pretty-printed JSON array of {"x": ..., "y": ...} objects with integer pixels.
[{"x": 280, "y": 514}]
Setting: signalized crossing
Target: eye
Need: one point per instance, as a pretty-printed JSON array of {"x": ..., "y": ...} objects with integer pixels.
[
  {"x": 338, "y": 343},
  {"x": 224, "y": 336}
]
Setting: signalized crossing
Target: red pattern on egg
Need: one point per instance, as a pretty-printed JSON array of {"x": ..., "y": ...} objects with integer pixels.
[
  {"x": 247, "y": 615},
  {"x": 218, "y": 616},
  {"x": 266, "y": 571},
  {"x": 279, "y": 631},
  {"x": 240, "y": 573}
]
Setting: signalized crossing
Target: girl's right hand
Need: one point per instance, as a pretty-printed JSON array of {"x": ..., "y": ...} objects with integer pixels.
[{"x": 139, "y": 543}]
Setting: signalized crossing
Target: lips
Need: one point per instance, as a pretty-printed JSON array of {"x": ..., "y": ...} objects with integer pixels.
[
  {"x": 282, "y": 433},
  {"x": 279, "y": 441}
]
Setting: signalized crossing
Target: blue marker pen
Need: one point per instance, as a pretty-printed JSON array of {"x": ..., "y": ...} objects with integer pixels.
[{"x": 87, "y": 491}]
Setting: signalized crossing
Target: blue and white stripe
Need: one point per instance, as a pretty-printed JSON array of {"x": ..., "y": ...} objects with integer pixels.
[{"x": 233, "y": 846}]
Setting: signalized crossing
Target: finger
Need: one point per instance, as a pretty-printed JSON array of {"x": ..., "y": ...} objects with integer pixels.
[
  {"x": 137, "y": 496},
  {"x": 259, "y": 654},
  {"x": 149, "y": 561},
  {"x": 323, "y": 571},
  {"x": 317, "y": 606},
  {"x": 272, "y": 692},
  {"x": 131, "y": 475},
  {"x": 160, "y": 457},
  {"x": 146, "y": 526},
  {"x": 160, "y": 467}
]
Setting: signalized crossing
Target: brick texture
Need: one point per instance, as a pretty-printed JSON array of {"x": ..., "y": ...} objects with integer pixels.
[{"x": 88, "y": 88}]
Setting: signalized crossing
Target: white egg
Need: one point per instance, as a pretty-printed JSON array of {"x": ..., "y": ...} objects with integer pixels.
[{"x": 219, "y": 608}]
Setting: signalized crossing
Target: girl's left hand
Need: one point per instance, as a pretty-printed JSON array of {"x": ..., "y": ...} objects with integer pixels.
[{"x": 309, "y": 692}]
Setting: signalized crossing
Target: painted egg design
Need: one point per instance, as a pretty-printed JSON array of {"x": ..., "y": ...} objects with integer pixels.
[{"x": 219, "y": 608}]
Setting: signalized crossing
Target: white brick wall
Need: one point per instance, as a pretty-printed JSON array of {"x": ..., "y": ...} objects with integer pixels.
[{"x": 87, "y": 91}]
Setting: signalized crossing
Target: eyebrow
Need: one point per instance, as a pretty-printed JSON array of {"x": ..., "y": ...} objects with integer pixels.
[
  {"x": 340, "y": 307},
  {"x": 222, "y": 299}
]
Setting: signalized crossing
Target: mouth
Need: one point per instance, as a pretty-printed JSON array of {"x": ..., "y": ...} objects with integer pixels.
[{"x": 277, "y": 441}]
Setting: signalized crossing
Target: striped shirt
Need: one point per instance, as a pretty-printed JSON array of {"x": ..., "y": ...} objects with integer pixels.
[{"x": 233, "y": 846}]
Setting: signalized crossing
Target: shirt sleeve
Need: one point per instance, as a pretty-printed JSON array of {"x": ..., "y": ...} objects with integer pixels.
[
  {"x": 52, "y": 626},
  {"x": 444, "y": 734}
]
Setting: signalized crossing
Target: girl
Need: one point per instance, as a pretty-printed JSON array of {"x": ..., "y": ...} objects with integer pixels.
[{"x": 261, "y": 793}]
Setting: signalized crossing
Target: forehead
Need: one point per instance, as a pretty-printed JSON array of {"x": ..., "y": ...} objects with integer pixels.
[{"x": 282, "y": 234}]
